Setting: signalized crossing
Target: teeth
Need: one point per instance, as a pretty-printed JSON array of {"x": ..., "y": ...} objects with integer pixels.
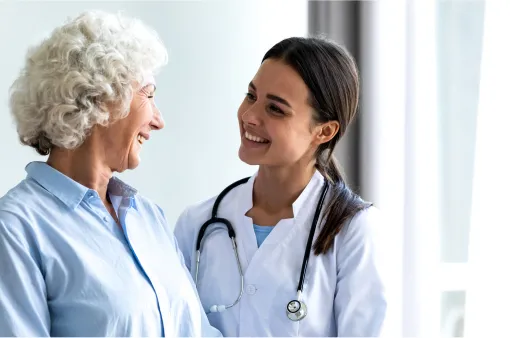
[{"x": 254, "y": 138}]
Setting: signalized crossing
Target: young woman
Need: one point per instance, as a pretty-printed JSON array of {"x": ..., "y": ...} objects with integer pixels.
[{"x": 300, "y": 257}]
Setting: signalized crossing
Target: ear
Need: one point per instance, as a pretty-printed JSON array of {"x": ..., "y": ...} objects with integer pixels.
[{"x": 327, "y": 131}]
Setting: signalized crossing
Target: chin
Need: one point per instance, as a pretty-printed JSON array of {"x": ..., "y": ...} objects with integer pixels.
[
  {"x": 250, "y": 160},
  {"x": 133, "y": 162},
  {"x": 133, "y": 165}
]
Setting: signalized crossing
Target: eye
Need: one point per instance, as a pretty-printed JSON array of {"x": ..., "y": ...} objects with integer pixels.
[
  {"x": 148, "y": 91},
  {"x": 275, "y": 109},
  {"x": 250, "y": 97}
]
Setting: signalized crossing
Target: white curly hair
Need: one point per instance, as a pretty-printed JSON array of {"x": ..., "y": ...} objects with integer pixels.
[{"x": 71, "y": 80}]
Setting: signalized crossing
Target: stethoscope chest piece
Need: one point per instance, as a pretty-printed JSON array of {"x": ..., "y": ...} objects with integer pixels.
[{"x": 296, "y": 310}]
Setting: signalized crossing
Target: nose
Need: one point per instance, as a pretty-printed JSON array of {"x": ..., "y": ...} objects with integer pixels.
[
  {"x": 157, "y": 122},
  {"x": 250, "y": 116}
]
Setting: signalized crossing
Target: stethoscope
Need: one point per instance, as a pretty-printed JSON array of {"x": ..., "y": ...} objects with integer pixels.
[{"x": 296, "y": 309}]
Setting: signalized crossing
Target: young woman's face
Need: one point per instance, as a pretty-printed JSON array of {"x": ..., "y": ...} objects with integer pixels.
[{"x": 275, "y": 119}]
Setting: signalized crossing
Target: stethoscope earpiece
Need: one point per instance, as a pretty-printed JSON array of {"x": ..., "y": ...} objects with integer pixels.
[{"x": 296, "y": 310}]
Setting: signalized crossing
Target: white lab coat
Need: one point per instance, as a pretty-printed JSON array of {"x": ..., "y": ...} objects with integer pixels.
[{"x": 344, "y": 290}]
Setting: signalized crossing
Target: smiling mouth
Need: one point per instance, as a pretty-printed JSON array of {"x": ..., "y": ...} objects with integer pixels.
[
  {"x": 255, "y": 138},
  {"x": 140, "y": 139}
]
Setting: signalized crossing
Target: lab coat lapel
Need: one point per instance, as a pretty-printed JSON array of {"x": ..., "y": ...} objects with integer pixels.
[{"x": 285, "y": 231}]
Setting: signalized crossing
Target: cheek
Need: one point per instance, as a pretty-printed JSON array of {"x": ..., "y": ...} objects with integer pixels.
[
  {"x": 144, "y": 112},
  {"x": 126, "y": 131},
  {"x": 140, "y": 118},
  {"x": 292, "y": 138}
]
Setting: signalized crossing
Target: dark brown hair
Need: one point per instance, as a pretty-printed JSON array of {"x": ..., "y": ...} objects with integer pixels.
[{"x": 331, "y": 75}]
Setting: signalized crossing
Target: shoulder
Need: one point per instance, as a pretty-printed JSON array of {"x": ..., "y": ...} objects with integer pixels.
[
  {"x": 196, "y": 214},
  {"x": 367, "y": 245},
  {"x": 367, "y": 224},
  {"x": 193, "y": 216},
  {"x": 366, "y": 236},
  {"x": 149, "y": 206},
  {"x": 200, "y": 210},
  {"x": 11, "y": 224},
  {"x": 25, "y": 211},
  {"x": 18, "y": 195},
  {"x": 17, "y": 232},
  {"x": 188, "y": 225},
  {"x": 19, "y": 205},
  {"x": 154, "y": 215}
]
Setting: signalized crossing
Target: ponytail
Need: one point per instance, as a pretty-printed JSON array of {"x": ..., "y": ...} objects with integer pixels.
[{"x": 342, "y": 206}]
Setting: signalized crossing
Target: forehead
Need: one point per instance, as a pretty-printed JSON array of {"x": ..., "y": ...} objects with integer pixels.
[
  {"x": 277, "y": 78},
  {"x": 148, "y": 79}
]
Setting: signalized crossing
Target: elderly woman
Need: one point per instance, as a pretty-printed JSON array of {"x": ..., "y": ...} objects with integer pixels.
[{"x": 81, "y": 252}]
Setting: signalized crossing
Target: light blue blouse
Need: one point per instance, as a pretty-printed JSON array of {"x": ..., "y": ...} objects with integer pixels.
[{"x": 68, "y": 269}]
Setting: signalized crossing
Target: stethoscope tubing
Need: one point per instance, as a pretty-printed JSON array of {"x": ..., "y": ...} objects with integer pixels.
[{"x": 232, "y": 235}]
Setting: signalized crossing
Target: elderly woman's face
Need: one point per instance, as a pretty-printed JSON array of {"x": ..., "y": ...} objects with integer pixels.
[{"x": 126, "y": 137}]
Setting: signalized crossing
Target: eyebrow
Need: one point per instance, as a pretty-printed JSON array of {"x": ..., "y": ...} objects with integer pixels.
[{"x": 272, "y": 96}]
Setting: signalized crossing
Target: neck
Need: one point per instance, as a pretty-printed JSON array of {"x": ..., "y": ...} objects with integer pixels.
[
  {"x": 277, "y": 188},
  {"x": 84, "y": 165}
]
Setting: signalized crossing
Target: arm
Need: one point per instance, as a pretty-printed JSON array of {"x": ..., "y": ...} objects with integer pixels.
[
  {"x": 23, "y": 307},
  {"x": 361, "y": 292}
]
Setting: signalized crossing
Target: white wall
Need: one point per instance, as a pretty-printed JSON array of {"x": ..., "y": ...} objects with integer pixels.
[{"x": 215, "y": 49}]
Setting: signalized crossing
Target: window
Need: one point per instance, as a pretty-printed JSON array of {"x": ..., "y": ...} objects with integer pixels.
[
  {"x": 423, "y": 77},
  {"x": 459, "y": 51}
]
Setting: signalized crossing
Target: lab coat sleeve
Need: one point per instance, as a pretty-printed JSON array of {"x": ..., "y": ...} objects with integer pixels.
[
  {"x": 23, "y": 307},
  {"x": 360, "y": 298},
  {"x": 207, "y": 329}
]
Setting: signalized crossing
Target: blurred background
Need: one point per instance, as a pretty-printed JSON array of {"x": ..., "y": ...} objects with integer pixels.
[{"x": 427, "y": 147}]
